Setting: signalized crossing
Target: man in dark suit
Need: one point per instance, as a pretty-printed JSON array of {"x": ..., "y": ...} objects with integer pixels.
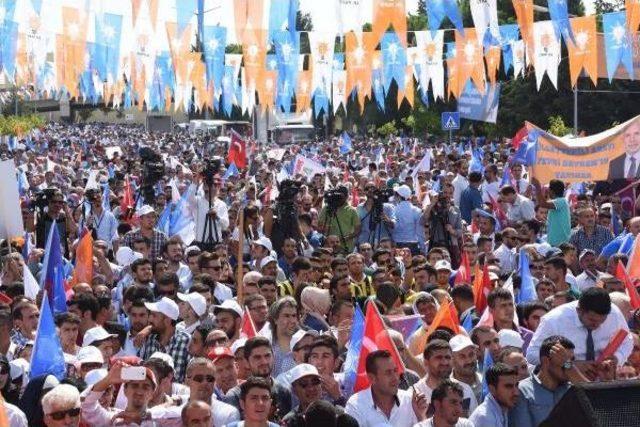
[{"x": 627, "y": 165}]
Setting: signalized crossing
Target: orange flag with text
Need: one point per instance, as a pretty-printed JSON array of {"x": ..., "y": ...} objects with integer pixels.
[
  {"x": 303, "y": 91},
  {"x": 359, "y": 55},
  {"x": 584, "y": 53},
  {"x": 469, "y": 60},
  {"x": 70, "y": 49}
]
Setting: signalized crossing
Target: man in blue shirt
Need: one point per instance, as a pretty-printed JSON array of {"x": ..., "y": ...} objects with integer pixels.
[
  {"x": 540, "y": 393},
  {"x": 471, "y": 197},
  {"x": 503, "y": 395}
]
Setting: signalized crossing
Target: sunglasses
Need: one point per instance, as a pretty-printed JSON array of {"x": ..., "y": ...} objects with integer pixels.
[
  {"x": 311, "y": 383},
  {"x": 203, "y": 378},
  {"x": 61, "y": 415}
]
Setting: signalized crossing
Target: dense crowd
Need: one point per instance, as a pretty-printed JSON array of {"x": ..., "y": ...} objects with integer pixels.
[{"x": 226, "y": 296}]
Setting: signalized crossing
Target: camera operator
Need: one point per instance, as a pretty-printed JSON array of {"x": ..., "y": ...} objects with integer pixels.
[
  {"x": 445, "y": 223},
  {"x": 281, "y": 221},
  {"x": 339, "y": 218},
  {"x": 410, "y": 220},
  {"x": 56, "y": 210},
  {"x": 103, "y": 224},
  {"x": 211, "y": 214},
  {"x": 375, "y": 225}
]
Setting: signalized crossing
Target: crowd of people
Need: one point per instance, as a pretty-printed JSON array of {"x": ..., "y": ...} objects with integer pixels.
[{"x": 189, "y": 250}]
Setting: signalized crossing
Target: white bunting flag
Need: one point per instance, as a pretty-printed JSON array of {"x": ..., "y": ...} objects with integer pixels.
[
  {"x": 430, "y": 59},
  {"x": 322, "y": 48},
  {"x": 547, "y": 52},
  {"x": 339, "y": 95},
  {"x": 518, "y": 51},
  {"x": 485, "y": 16}
]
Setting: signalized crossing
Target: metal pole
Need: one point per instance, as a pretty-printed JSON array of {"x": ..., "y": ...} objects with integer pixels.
[
  {"x": 450, "y": 136},
  {"x": 575, "y": 110}
]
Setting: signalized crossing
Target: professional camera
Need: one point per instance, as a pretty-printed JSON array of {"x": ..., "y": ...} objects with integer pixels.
[
  {"x": 153, "y": 166},
  {"x": 288, "y": 190},
  {"x": 211, "y": 169},
  {"x": 41, "y": 198},
  {"x": 382, "y": 196},
  {"x": 334, "y": 199}
]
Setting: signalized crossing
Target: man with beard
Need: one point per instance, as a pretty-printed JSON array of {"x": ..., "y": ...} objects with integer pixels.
[
  {"x": 164, "y": 337},
  {"x": 465, "y": 364},
  {"x": 174, "y": 253},
  {"x": 229, "y": 319},
  {"x": 437, "y": 361},
  {"x": 142, "y": 272},
  {"x": 259, "y": 357}
]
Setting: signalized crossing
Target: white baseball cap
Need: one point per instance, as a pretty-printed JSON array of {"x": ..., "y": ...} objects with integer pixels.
[
  {"x": 228, "y": 305},
  {"x": 89, "y": 354},
  {"x": 95, "y": 375},
  {"x": 238, "y": 344},
  {"x": 145, "y": 210},
  {"x": 297, "y": 337},
  {"x": 97, "y": 333},
  {"x": 510, "y": 338},
  {"x": 266, "y": 261},
  {"x": 125, "y": 256},
  {"x": 443, "y": 265},
  {"x": 197, "y": 302},
  {"x": 302, "y": 370},
  {"x": 460, "y": 342},
  {"x": 164, "y": 357},
  {"x": 264, "y": 241},
  {"x": 166, "y": 306},
  {"x": 404, "y": 191}
]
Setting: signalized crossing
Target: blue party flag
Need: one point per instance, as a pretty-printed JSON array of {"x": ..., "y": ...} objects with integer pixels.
[
  {"x": 615, "y": 223},
  {"x": 106, "y": 203},
  {"x": 353, "y": 352},
  {"x": 627, "y": 244},
  {"x": 232, "y": 170},
  {"x": 52, "y": 280},
  {"x": 559, "y": 14},
  {"x": 486, "y": 364},
  {"x": 527, "y": 287},
  {"x": 613, "y": 246},
  {"x": 467, "y": 323},
  {"x": 528, "y": 149},
  {"x": 47, "y": 357},
  {"x": 617, "y": 43},
  {"x": 437, "y": 10}
]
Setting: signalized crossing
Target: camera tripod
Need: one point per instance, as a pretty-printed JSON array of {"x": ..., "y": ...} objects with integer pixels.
[
  {"x": 376, "y": 223},
  {"x": 210, "y": 227},
  {"x": 332, "y": 213}
]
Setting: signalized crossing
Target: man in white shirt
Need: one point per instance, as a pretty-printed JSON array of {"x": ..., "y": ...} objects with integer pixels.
[
  {"x": 192, "y": 307},
  {"x": 589, "y": 276},
  {"x": 447, "y": 401},
  {"x": 520, "y": 207},
  {"x": 438, "y": 361},
  {"x": 491, "y": 184},
  {"x": 589, "y": 323},
  {"x": 383, "y": 403},
  {"x": 506, "y": 252},
  {"x": 460, "y": 182},
  {"x": 211, "y": 207}
]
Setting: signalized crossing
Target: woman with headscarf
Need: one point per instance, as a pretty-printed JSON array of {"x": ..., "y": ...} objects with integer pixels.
[
  {"x": 31, "y": 401},
  {"x": 315, "y": 303}
]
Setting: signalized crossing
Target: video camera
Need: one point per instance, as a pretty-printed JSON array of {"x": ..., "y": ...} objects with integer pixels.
[
  {"x": 288, "y": 190},
  {"x": 334, "y": 198},
  {"x": 382, "y": 195},
  {"x": 41, "y": 198},
  {"x": 153, "y": 166},
  {"x": 211, "y": 169}
]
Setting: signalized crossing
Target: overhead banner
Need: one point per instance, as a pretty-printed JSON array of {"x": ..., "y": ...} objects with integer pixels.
[
  {"x": 474, "y": 105},
  {"x": 612, "y": 154}
]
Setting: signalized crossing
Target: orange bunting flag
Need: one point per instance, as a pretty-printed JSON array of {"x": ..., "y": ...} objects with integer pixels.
[
  {"x": 584, "y": 53},
  {"x": 389, "y": 12},
  {"x": 267, "y": 89},
  {"x": 622, "y": 275},
  {"x": 303, "y": 91},
  {"x": 180, "y": 48},
  {"x": 633, "y": 15},
  {"x": 248, "y": 17},
  {"x": 70, "y": 49},
  {"x": 492, "y": 58},
  {"x": 407, "y": 92},
  {"x": 83, "y": 271},
  {"x": 633, "y": 265},
  {"x": 375, "y": 338},
  {"x": 153, "y": 11},
  {"x": 469, "y": 60},
  {"x": 254, "y": 54},
  {"x": 445, "y": 317},
  {"x": 524, "y": 16},
  {"x": 453, "y": 83},
  {"x": 359, "y": 55},
  {"x": 481, "y": 287}
]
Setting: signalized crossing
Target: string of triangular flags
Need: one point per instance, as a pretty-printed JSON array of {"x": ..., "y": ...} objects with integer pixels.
[{"x": 220, "y": 54}]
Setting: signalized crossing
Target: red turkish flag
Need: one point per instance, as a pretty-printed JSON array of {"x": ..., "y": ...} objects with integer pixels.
[
  {"x": 375, "y": 338},
  {"x": 248, "y": 329},
  {"x": 622, "y": 275},
  {"x": 237, "y": 151},
  {"x": 519, "y": 136},
  {"x": 464, "y": 271}
]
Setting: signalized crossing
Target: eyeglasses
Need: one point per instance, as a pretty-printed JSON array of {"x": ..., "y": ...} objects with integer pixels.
[
  {"x": 61, "y": 415},
  {"x": 203, "y": 378},
  {"x": 314, "y": 382}
]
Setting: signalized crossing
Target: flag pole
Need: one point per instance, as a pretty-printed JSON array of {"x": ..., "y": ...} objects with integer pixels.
[{"x": 239, "y": 257}]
